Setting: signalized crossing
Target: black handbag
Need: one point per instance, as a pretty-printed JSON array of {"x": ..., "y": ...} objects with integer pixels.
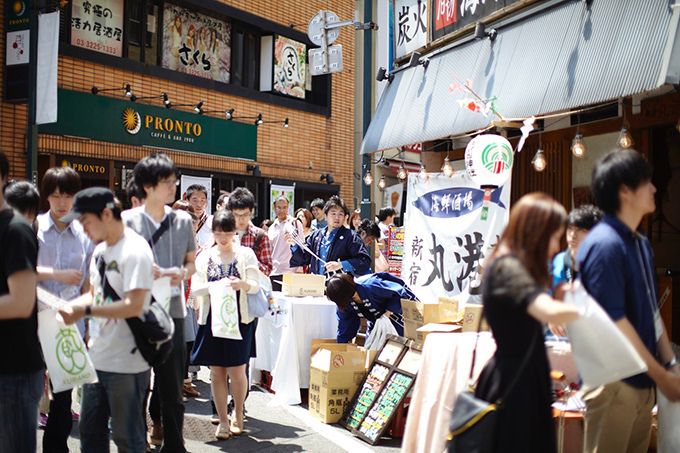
[{"x": 473, "y": 424}]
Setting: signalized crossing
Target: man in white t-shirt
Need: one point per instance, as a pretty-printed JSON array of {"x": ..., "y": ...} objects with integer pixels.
[
  {"x": 121, "y": 275},
  {"x": 197, "y": 196}
]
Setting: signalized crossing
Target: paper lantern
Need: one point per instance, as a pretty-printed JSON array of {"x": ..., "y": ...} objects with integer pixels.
[{"x": 488, "y": 160}]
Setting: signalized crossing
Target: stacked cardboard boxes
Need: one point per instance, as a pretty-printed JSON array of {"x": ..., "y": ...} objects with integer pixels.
[
  {"x": 303, "y": 285},
  {"x": 335, "y": 374},
  {"x": 417, "y": 314}
]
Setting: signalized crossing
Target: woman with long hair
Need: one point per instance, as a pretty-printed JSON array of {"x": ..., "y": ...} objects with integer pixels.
[
  {"x": 305, "y": 217},
  {"x": 226, "y": 358},
  {"x": 517, "y": 304}
]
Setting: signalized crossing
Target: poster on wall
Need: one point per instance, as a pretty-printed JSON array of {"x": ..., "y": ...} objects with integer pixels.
[
  {"x": 447, "y": 236},
  {"x": 392, "y": 196},
  {"x": 98, "y": 25},
  {"x": 196, "y": 44},
  {"x": 288, "y": 192},
  {"x": 410, "y": 26},
  {"x": 290, "y": 61},
  {"x": 191, "y": 180}
]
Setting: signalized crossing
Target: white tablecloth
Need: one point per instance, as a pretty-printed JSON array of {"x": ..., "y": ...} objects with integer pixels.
[{"x": 284, "y": 342}]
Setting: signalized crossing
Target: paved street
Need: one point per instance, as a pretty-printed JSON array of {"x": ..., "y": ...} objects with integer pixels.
[{"x": 267, "y": 429}]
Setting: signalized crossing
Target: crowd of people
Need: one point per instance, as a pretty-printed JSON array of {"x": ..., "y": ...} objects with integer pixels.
[{"x": 108, "y": 264}]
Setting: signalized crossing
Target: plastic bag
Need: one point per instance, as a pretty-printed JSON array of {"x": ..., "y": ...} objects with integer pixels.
[
  {"x": 224, "y": 309},
  {"x": 668, "y": 434},
  {"x": 602, "y": 353},
  {"x": 66, "y": 356},
  {"x": 382, "y": 327}
]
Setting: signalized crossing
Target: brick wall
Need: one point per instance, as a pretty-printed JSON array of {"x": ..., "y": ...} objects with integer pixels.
[{"x": 282, "y": 153}]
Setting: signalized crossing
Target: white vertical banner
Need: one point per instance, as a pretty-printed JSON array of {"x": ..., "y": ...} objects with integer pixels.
[
  {"x": 449, "y": 230},
  {"x": 205, "y": 182},
  {"x": 48, "y": 61},
  {"x": 281, "y": 191}
]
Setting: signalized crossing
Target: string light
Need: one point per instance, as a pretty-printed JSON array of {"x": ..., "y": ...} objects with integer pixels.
[
  {"x": 382, "y": 183},
  {"x": 402, "y": 174},
  {"x": 625, "y": 139},
  {"x": 447, "y": 168},
  {"x": 368, "y": 178},
  {"x": 539, "y": 161},
  {"x": 578, "y": 147},
  {"x": 422, "y": 174}
]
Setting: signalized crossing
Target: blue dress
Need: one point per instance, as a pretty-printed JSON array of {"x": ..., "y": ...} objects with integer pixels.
[{"x": 212, "y": 351}]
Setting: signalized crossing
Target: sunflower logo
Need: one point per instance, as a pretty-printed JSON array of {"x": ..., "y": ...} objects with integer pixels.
[
  {"x": 19, "y": 8},
  {"x": 132, "y": 121}
]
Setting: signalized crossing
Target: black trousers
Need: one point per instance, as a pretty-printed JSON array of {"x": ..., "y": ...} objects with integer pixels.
[
  {"x": 59, "y": 423},
  {"x": 166, "y": 403}
]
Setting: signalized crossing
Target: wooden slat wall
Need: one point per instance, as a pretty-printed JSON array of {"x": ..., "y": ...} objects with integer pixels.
[{"x": 555, "y": 180}]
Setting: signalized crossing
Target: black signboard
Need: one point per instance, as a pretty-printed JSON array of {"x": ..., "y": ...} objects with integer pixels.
[
  {"x": 383, "y": 390},
  {"x": 451, "y": 15},
  {"x": 17, "y": 36}
]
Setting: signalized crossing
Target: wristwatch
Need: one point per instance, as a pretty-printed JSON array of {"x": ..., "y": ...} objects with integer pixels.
[
  {"x": 671, "y": 362},
  {"x": 88, "y": 311}
]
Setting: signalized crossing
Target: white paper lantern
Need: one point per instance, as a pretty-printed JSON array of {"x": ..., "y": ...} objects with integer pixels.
[{"x": 488, "y": 160}]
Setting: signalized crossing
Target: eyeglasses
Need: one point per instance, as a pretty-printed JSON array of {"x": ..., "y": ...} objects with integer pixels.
[
  {"x": 280, "y": 208},
  {"x": 242, "y": 216},
  {"x": 170, "y": 182}
]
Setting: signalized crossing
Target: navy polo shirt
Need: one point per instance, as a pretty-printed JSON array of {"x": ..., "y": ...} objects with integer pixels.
[{"x": 617, "y": 269}]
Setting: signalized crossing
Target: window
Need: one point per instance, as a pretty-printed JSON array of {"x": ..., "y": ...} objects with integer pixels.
[
  {"x": 142, "y": 31},
  {"x": 245, "y": 57}
]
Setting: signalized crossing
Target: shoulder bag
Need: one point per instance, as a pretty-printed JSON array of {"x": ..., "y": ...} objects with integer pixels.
[{"x": 474, "y": 420}]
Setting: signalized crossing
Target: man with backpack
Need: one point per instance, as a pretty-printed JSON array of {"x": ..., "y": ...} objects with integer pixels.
[
  {"x": 121, "y": 274},
  {"x": 170, "y": 234}
]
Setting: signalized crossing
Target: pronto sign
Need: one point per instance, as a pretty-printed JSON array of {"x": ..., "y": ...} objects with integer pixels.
[{"x": 120, "y": 121}]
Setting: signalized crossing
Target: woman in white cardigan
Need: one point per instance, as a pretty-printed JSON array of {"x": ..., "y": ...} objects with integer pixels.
[{"x": 226, "y": 358}]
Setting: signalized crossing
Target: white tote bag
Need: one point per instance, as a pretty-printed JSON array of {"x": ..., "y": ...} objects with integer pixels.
[
  {"x": 382, "y": 327},
  {"x": 66, "y": 356},
  {"x": 162, "y": 292},
  {"x": 224, "y": 309},
  {"x": 668, "y": 434},
  {"x": 602, "y": 353}
]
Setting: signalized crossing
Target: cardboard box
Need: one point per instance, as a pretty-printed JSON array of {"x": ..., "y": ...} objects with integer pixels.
[
  {"x": 302, "y": 285},
  {"x": 417, "y": 314},
  {"x": 335, "y": 374},
  {"x": 471, "y": 318},
  {"x": 437, "y": 327}
]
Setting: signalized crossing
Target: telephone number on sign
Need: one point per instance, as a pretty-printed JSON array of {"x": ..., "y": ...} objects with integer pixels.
[{"x": 96, "y": 46}]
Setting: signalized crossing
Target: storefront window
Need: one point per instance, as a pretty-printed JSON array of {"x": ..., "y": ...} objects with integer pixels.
[
  {"x": 142, "y": 31},
  {"x": 245, "y": 58}
]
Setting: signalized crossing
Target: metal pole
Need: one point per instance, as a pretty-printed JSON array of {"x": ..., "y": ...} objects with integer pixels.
[
  {"x": 32, "y": 128},
  {"x": 367, "y": 206}
]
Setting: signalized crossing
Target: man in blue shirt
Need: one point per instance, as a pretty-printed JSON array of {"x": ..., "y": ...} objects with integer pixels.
[
  {"x": 617, "y": 269},
  {"x": 339, "y": 247}
]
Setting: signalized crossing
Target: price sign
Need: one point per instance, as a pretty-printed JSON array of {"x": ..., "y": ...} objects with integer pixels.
[{"x": 383, "y": 389}]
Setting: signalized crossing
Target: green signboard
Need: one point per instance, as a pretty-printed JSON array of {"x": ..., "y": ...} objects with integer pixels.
[{"x": 121, "y": 121}]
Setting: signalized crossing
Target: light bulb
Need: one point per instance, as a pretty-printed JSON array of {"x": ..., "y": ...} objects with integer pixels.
[
  {"x": 539, "y": 161},
  {"x": 625, "y": 139},
  {"x": 382, "y": 183},
  {"x": 578, "y": 147},
  {"x": 447, "y": 168},
  {"x": 402, "y": 174},
  {"x": 422, "y": 174},
  {"x": 368, "y": 178}
]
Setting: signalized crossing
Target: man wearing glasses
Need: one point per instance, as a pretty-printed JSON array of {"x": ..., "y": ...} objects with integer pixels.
[
  {"x": 280, "y": 249},
  {"x": 242, "y": 204}
]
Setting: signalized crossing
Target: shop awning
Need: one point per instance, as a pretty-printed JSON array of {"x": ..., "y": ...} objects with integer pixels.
[{"x": 558, "y": 56}]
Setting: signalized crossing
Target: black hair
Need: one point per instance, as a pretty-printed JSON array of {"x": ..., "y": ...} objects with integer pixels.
[
  {"x": 194, "y": 188},
  {"x": 621, "y": 167},
  {"x": 132, "y": 190},
  {"x": 386, "y": 212},
  {"x": 65, "y": 179},
  {"x": 585, "y": 217},
  {"x": 4, "y": 166},
  {"x": 24, "y": 197},
  {"x": 241, "y": 198},
  {"x": 370, "y": 227},
  {"x": 281, "y": 198},
  {"x": 151, "y": 169},
  {"x": 335, "y": 202},
  {"x": 340, "y": 288},
  {"x": 224, "y": 220},
  {"x": 317, "y": 203}
]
